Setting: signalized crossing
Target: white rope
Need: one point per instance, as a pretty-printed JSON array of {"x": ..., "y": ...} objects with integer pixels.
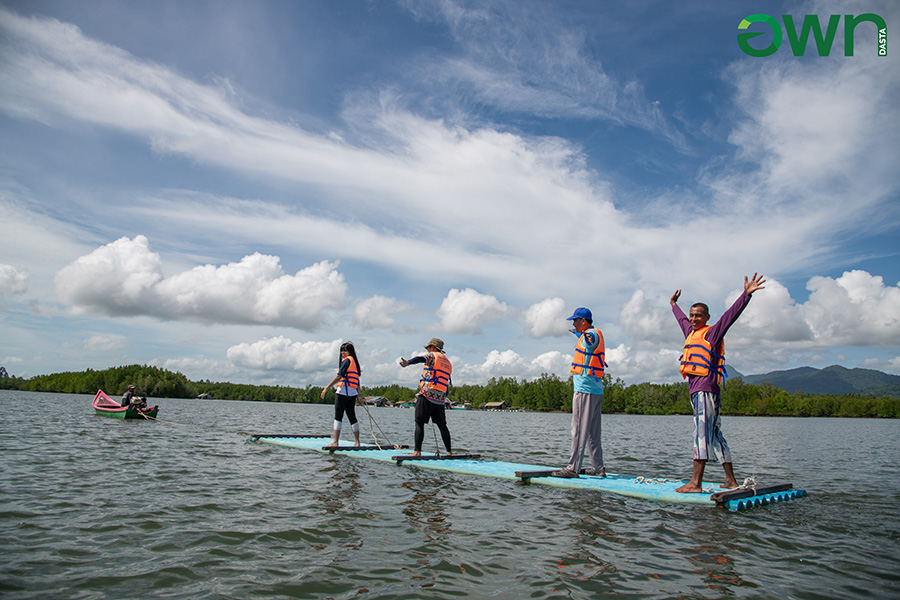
[
  {"x": 749, "y": 484},
  {"x": 657, "y": 480},
  {"x": 654, "y": 480},
  {"x": 372, "y": 421}
]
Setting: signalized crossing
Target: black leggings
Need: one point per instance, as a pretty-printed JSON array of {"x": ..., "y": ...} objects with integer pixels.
[
  {"x": 344, "y": 404},
  {"x": 426, "y": 410}
]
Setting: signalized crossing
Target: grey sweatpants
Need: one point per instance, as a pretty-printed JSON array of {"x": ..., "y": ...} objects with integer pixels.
[{"x": 586, "y": 412}]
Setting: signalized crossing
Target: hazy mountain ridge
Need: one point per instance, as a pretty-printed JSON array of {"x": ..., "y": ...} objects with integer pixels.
[{"x": 831, "y": 380}]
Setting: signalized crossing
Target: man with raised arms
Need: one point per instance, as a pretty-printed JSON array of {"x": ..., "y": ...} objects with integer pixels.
[{"x": 703, "y": 364}]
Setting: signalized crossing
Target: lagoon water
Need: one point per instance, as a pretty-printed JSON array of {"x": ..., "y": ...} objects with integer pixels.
[{"x": 188, "y": 507}]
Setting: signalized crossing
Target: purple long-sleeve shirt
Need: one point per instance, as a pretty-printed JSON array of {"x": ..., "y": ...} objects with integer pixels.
[{"x": 714, "y": 336}]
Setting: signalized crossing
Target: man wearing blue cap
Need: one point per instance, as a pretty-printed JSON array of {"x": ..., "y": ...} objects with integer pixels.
[{"x": 587, "y": 375}]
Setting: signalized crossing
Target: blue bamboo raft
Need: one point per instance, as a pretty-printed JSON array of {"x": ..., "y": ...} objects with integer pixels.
[{"x": 657, "y": 490}]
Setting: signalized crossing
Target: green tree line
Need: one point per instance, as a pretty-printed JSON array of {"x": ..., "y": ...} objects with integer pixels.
[{"x": 546, "y": 393}]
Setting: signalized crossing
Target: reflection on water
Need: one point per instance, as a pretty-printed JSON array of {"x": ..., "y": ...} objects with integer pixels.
[
  {"x": 97, "y": 508},
  {"x": 426, "y": 510}
]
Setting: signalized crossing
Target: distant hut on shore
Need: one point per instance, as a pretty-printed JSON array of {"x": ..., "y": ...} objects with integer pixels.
[{"x": 494, "y": 406}]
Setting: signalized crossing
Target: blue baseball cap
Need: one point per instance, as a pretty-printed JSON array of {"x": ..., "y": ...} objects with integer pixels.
[{"x": 581, "y": 313}]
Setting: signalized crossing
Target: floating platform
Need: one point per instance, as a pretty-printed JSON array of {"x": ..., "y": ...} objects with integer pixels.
[
  {"x": 656, "y": 490},
  {"x": 334, "y": 449}
]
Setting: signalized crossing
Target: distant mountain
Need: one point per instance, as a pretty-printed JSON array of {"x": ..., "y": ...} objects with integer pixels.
[{"x": 831, "y": 380}]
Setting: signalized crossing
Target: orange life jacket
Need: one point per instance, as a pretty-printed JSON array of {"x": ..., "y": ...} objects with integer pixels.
[
  {"x": 698, "y": 357},
  {"x": 351, "y": 379},
  {"x": 437, "y": 376},
  {"x": 585, "y": 361}
]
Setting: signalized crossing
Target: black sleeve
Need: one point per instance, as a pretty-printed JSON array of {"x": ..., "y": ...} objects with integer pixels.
[
  {"x": 345, "y": 366},
  {"x": 416, "y": 360}
]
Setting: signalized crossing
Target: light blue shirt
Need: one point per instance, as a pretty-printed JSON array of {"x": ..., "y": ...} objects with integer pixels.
[{"x": 586, "y": 383}]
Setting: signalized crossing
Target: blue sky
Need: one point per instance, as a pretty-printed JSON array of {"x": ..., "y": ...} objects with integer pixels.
[{"x": 232, "y": 189}]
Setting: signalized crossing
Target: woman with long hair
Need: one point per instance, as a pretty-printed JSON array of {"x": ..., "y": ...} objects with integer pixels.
[{"x": 347, "y": 392}]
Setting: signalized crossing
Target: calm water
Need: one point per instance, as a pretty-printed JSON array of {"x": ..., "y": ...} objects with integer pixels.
[{"x": 189, "y": 508}]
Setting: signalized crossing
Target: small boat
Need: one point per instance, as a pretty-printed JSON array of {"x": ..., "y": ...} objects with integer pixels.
[{"x": 106, "y": 406}]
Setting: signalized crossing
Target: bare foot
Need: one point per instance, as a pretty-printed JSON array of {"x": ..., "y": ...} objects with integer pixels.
[
  {"x": 689, "y": 488},
  {"x": 416, "y": 453},
  {"x": 730, "y": 485},
  {"x": 332, "y": 445},
  {"x": 448, "y": 453}
]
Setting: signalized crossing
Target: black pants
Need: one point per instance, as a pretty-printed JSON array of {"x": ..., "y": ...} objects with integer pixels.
[
  {"x": 426, "y": 410},
  {"x": 344, "y": 404}
]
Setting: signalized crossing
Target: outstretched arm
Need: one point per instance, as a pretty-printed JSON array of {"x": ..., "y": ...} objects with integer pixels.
[
  {"x": 328, "y": 387},
  {"x": 754, "y": 284},
  {"x": 674, "y": 299}
]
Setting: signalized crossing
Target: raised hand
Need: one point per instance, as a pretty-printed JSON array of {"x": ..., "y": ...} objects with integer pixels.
[
  {"x": 754, "y": 284},
  {"x": 674, "y": 299}
]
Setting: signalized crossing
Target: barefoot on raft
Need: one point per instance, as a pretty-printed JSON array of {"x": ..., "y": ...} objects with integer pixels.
[{"x": 689, "y": 488}]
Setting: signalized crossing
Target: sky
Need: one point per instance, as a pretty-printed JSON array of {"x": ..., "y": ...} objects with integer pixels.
[{"x": 231, "y": 189}]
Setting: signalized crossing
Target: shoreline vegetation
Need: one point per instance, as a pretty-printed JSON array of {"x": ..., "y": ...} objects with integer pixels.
[{"x": 548, "y": 393}]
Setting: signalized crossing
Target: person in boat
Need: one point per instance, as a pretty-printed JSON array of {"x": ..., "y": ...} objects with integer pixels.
[
  {"x": 129, "y": 399},
  {"x": 703, "y": 365},
  {"x": 128, "y": 395},
  {"x": 588, "y": 367},
  {"x": 431, "y": 399},
  {"x": 347, "y": 392}
]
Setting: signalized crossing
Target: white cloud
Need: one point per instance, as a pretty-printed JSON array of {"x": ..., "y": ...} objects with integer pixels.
[
  {"x": 105, "y": 342},
  {"x": 124, "y": 278},
  {"x": 771, "y": 317},
  {"x": 635, "y": 365},
  {"x": 282, "y": 354},
  {"x": 554, "y": 75},
  {"x": 648, "y": 321},
  {"x": 117, "y": 278},
  {"x": 546, "y": 318},
  {"x": 856, "y": 309},
  {"x": 509, "y": 363},
  {"x": 12, "y": 281},
  {"x": 377, "y": 312},
  {"x": 465, "y": 311},
  {"x": 512, "y": 206}
]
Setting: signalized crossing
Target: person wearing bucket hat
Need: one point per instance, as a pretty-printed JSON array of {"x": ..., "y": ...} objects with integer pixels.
[
  {"x": 128, "y": 395},
  {"x": 431, "y": 399},
  {"x": 587, "y": 372}
]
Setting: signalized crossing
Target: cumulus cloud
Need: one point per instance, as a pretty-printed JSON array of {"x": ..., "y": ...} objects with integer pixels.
[
  {"x": 377, "y": 312},
  {"x": 509, "y": 363},
  {"x": 282, "y": 354},
  {"x": 117, "y": 278},
  {"x": 856, "y": 309},
  {"x": 124, "y": 278},
  {"x": 12, "y": 281},
  {"x": 650, "y": 321},
  {"x": 546, "y": 318},
  {"x": 771, "y": 317},
  {"x": 465, "y": 311}
]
